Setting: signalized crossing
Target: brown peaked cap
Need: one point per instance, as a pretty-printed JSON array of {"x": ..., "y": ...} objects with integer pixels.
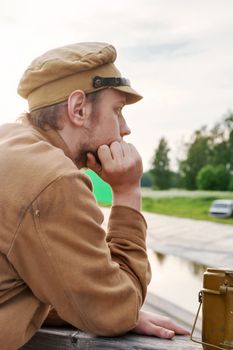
[{"x": 52, "y": 77}]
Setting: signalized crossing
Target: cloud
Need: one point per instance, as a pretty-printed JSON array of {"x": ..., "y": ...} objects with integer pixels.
[{"x": 149, "y": 52}]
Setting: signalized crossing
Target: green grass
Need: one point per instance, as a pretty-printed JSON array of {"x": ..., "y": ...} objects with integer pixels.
[
  {"x": 181, "y": 203},
  {"x": 193, "y": 207}
]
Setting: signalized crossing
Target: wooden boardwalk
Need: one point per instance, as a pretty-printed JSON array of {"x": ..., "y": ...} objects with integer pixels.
[{"x": 205, "y": 242}]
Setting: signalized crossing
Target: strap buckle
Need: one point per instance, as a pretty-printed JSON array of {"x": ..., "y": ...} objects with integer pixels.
[{"x": 110, "y": 81}]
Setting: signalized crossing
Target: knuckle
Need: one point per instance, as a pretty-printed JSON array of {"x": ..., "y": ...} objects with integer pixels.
[
  {"x": 108, "y": 168},
  {"x": 120, "y": 168},
  {"x": 102, "y": 148},
  {"x": 115, "y": 144},
  {"x": 160, "y": 331}
]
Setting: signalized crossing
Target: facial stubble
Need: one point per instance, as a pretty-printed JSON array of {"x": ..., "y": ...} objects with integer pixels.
[{"x": 85, "y": 148}]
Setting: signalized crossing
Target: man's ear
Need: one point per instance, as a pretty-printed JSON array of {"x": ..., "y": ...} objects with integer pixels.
[{"x": 76, "y": 107}]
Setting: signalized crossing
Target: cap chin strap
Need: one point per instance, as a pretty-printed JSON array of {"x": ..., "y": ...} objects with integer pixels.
[{"x": 111, "y": 81}]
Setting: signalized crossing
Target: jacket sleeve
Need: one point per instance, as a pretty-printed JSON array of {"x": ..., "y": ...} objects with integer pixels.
[{"x": 61, "y": 252}]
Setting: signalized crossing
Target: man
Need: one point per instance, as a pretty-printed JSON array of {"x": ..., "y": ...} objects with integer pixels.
[{"x": 54, "y": 255}]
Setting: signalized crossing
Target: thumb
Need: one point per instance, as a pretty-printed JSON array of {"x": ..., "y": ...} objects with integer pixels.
[{"x": 92, "y": 164}]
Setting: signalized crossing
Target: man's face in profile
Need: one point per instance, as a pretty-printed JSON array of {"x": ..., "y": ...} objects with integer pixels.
[{"x": 106, "y": 123}]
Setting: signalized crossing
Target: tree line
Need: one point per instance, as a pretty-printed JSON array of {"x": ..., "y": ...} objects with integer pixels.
[{"x": 207, "y": 164}]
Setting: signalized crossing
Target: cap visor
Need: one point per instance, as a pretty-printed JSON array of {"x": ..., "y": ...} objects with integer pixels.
[{"x": 132, "y": 96}]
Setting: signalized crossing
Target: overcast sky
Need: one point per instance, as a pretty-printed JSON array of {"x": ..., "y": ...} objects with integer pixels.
[{"x": 177, "y": 53}]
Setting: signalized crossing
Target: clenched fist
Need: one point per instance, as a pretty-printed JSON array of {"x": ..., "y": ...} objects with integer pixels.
[{"x": 121, "y": 168}]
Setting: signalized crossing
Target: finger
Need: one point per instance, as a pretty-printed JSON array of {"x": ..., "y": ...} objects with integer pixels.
[
  {"x": 176, "y": 328},
  {"x": 157, "y": 331},
  {"x": 163, "y": 333},
  {"x": 166, "y": 323},
  {"x": 104, "y": 154},
  {"x": 133, "y": 150},
  {"x": 181, "y": 330},
  {"x": 116, "y": 150},
  {"x": 92, "y": 163},
  {"x": 125, "y": 148}
]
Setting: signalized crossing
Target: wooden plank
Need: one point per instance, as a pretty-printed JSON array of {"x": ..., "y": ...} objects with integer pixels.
[
  {"x": 50, "y": 339},
  {"x": 68, "y": 339},
  {"x": 72, "y": 339}
]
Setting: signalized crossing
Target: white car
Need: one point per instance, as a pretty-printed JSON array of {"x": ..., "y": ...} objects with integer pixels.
[{"x": 222, "y": 208}]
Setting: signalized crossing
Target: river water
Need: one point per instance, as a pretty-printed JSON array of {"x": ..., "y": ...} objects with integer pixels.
[{"x": 176, "y": 279}]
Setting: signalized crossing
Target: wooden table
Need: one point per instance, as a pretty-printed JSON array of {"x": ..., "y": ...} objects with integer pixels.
[{"x": 71, "y": 339}]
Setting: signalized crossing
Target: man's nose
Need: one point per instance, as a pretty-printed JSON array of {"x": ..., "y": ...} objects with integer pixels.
[{"x": 124, "y": 129}]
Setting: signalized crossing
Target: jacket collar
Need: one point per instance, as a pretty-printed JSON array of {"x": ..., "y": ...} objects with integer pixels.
[{"x": 51, "y": 135}]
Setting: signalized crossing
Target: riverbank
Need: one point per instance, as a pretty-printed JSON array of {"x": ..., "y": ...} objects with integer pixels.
[
  {"x": 173, "y": 202},
  {"x": 175, "y": 192},
  {"x": 207, "y": 243},
  {"x": 185, "y": 204}
]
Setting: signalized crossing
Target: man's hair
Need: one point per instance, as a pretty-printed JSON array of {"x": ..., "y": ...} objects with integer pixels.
[{"x": 53, "y": 116}]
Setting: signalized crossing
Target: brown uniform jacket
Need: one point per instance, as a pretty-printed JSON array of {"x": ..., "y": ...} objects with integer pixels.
[{"x": 53, "y": 251}]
